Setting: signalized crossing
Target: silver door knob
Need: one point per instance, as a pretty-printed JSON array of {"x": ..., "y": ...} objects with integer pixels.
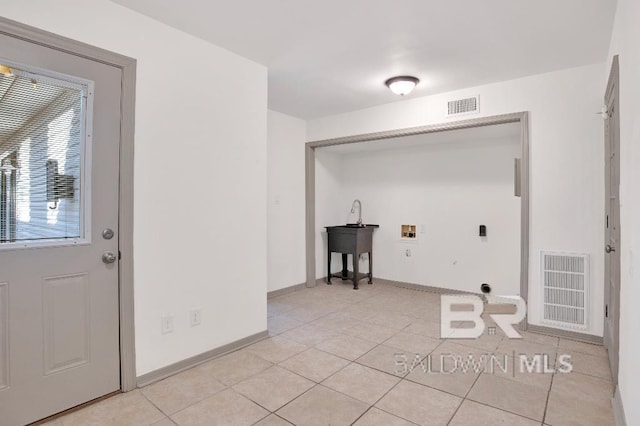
[
  {"x": 609, "y": 249},
  {"x": 109, "y": 257}
]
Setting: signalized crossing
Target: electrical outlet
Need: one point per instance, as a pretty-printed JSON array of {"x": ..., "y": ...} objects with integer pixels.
[
  {"x": 195, "y": 317},
  {"x": 166, "y": 324}
]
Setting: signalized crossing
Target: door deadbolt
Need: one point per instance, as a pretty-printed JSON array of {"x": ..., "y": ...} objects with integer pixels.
[
  {"x": 109, "y": 257},
  {"x": 107, "y": 233},
  {"x": 609, "y": 249}
]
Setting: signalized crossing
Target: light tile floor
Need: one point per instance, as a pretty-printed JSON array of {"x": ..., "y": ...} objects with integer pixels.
[{"x": 330, "y": 360}]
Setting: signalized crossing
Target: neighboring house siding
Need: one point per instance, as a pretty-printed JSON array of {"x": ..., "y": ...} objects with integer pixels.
[{"x": 53, "y": 134}]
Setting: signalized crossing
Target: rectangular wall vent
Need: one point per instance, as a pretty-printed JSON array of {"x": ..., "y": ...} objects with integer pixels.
[
  {"x": 463, "y": 106},
  {"x": 565, "y": 284}
]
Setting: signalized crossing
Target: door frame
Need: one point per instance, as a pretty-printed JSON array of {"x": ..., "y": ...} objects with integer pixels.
[
  {"x": 125, "y": 186},
  {"x": 522, "y": 183},
  {"x": 613, "y": 89}
]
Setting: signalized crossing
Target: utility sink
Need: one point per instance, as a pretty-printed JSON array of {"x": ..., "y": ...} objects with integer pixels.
[{"x": 350, "y": 239}]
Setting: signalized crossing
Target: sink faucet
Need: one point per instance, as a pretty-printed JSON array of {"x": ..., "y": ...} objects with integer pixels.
[{"x": 353, "y": 210}]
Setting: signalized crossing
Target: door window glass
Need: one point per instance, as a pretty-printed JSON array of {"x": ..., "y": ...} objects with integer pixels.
[{"x": 41, "y": 157}]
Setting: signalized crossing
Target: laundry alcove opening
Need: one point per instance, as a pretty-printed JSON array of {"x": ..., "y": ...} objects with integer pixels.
[{"x": 431, "y": 192}]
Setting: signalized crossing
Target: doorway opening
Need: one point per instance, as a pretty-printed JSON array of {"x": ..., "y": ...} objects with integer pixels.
[{"x": 521, "y": 181}]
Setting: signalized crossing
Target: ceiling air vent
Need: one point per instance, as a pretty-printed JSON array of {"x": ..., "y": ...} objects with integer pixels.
[
  {"x": 565, "y": 282},
  {"x": 463, "y": 106}
]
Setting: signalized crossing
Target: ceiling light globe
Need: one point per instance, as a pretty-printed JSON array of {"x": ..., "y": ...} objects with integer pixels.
[{"x": 402, "y": 85}]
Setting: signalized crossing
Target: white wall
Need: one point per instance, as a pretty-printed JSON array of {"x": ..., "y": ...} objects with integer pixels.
[
  {"x": 285, "y": 212},
  {"x": 447, "y": 189},
  {"x": 201, "y": 110},
  {"x": 330, "y": 211},
  {"x": 566, "y": 155},
  {"x": 626, "y": 35}
]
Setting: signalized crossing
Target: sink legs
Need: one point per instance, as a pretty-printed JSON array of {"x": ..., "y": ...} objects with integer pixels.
[
  {"x": 345, "y": 271},
  {"x": 356, "y": 263},
  {"x": 329, "y": 267},
  {"x": 344, "y": 274}
]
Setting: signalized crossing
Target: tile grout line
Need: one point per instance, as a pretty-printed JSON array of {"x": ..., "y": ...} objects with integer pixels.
[
  {"x": 261, "y": 418},
  {"x": 152, "y": 403},
  {"x": 280, "y": 417},
  {"x": 464, "y": 398},
  {"x": 314, "y": 384},
  {"x": 294, "y": 399},
  {"x": 546, "y": 404},
  {"x": 503, "y": 410},
  {"x": 382, "y": 397},
  {"x": 225, "y": 388}
]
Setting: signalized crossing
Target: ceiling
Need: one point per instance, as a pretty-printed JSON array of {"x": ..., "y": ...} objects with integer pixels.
[
  {"x": 333, "y": 56},
  {"x": 494, "y": 134},
  {"x": 20, "y": 101}
]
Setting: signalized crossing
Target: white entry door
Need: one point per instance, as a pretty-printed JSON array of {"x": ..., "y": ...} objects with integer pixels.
[{"x": 59, "y": 159}]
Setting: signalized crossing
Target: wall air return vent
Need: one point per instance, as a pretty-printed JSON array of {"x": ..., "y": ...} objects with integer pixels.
[
  {"x": 463, "y": 106},
  {"x": 565, "y": 284}
]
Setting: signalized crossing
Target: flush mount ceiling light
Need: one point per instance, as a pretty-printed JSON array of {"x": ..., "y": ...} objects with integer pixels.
[
  {"x": 5, "y": 70},
  {"x": 402, "y": 85}
]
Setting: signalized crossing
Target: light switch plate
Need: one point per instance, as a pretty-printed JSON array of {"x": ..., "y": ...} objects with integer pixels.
[
  {"x": 195, "y": 317},
  {"x": 166, "y": 324}
]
